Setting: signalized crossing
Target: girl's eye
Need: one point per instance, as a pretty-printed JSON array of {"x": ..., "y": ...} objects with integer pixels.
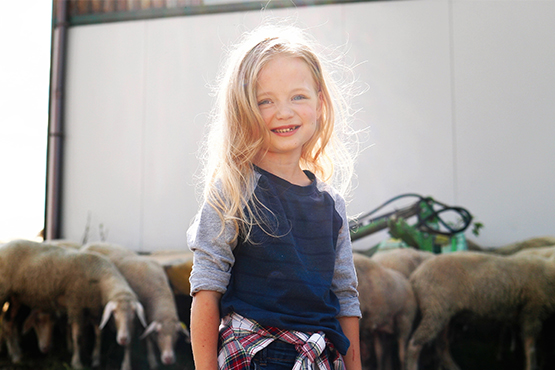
[
  {"x": 265, "y": 101},
  {"x": 299, "y": 97}
]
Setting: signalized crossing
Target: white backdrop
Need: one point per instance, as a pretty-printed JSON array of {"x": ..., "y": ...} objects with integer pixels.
[{"x": 459, "y": 106}]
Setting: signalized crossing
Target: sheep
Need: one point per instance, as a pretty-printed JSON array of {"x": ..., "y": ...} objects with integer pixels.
[
  {"x": 179, "y": 274},
  {"x": 546, "y": 252},
  {"x": 148, "y": 279},
  {"x": 525, "y": 244},
  {"x": 387, "y": 303},
  {"x": 9, "y": 333},
  {"x": 487, "y": 285},
  {"x": 40, "y": 321},
  {"x": 178, "y": 267},
  {"x": 64, "y": 243},
  {"x": 404, "y": 260},
  {"x": 53, "y": 278}
]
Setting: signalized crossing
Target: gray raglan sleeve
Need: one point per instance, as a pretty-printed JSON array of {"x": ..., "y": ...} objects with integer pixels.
[
  {"x": 212, "y": 251},
  {"x": 345, "y": 282}
]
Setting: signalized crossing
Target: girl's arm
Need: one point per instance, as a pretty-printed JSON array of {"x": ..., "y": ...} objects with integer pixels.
[
  {"x": 349, "y": 324},
  {"x": 205, "y": 321},
  {"x": 344, "y": 285}
]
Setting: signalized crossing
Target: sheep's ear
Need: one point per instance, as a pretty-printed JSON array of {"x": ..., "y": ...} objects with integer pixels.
[
  {"x": 30, "y": 321},
  {"x": 110, "y": 307},
  {"x": 140, "y": 313},
  {"x": 154, "y": 326},
  {"x": 183, "y": 328}
]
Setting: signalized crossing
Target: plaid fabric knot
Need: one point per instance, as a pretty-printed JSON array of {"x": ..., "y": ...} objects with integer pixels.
[
  {"x": 241, "y": 339},
  {"x": 311, "y": 350}
]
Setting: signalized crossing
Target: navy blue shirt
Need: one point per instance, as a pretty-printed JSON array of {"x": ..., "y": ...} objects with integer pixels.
[{"x": 283, "y": 275}]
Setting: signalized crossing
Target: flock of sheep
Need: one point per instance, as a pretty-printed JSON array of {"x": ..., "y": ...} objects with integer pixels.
[
  {"x": 413, "y": 296},
  {"x": 88, "y": 285},
  {"x": 405, "y": 294}
]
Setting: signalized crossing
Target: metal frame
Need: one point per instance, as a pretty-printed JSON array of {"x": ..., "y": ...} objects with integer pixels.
[{"x": 153, "y": 13}]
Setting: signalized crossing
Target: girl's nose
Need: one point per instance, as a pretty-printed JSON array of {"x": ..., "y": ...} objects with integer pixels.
[{"x": 284, "y": 111}]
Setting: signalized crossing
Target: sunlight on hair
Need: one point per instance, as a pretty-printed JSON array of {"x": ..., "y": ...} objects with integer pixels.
[{"x": 237, "y": 132}]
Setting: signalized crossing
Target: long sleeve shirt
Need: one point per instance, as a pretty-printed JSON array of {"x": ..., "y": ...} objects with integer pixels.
[{"x": 295, "y": 272}]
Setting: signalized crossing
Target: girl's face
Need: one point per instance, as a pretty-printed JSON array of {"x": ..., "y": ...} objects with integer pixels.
[{"x": 290, "y": 105}]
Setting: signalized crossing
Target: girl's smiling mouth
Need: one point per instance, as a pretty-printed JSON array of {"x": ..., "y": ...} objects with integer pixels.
[{"x": 285, "y": 130}]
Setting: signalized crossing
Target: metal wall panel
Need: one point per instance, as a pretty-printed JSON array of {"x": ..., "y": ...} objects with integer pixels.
[{"x": 457, "y": 107}]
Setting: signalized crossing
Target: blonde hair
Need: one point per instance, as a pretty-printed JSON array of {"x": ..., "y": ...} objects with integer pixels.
[{"x": 237, "y": 133}]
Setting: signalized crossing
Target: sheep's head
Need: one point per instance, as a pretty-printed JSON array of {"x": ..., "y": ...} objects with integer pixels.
[
  {"x": 166, "y": 334},
  {"x": 124, "y": 312},
  {"x": 43, "y": 324}
]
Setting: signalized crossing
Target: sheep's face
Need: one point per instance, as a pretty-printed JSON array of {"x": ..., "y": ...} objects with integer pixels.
[
  {"x": 165, "y": 335},
  {"x": 43, "y": 325},
  {"x": 44, "y": 328},
  {"x": 124, "y": 312},
  {"x": 124, "y": 315}
]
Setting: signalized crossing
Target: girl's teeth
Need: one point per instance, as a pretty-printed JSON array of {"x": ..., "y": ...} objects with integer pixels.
[{"x": 283, "y": 131}]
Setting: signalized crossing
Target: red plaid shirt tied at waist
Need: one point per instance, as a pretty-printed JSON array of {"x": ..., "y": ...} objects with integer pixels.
[{"x": 241, "y": 339}]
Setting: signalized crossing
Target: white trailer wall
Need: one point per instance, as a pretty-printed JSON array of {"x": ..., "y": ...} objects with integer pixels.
[{"x": 459, "y": 106}]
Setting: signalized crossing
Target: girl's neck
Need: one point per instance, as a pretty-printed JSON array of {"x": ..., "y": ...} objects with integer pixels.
[{"x": 288, "y": 171}]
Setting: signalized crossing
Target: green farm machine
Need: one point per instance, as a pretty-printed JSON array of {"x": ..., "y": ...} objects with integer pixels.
[{"x": 437, "y": 227}]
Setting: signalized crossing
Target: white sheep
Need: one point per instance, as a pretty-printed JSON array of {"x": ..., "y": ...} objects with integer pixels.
[
  {"x": 387, "y": 304},
  {"x": 487, "y": 285},
  {"x": 546, "y": 252},
  {"x": 178, "y": 266},
  {"x": 40, "y": 321},
  {"x": 53, "y": 278},
  {"x": 9, "y": 333},
  {"x": 66, "y": 243},
  {"x": 404, "y": 260},
  {"x": 150, "y": 282},
  {"x": 536, "y": 242}
]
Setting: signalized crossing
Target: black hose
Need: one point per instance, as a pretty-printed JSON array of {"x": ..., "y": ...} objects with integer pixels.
[{"x": 430, "y": 222}]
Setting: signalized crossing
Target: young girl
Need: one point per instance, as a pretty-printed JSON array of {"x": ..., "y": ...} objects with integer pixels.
[{"x": 273, "y": 281}]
